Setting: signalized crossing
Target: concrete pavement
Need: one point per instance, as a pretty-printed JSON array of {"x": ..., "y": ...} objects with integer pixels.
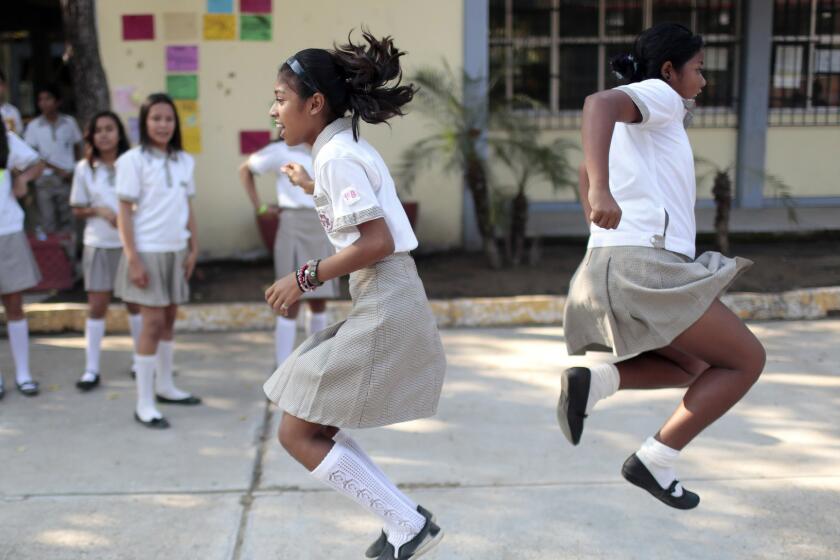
[{"x": 81, "y": 480}]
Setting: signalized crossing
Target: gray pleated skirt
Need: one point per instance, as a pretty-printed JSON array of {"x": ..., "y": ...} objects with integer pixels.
[
  {"x": 300, "y": 237},
  {"x": 167, "y": 283},
  {"x": 18, "y": 269},
  {"x": 100, "y": 268},
  {"x": 384, "y": 364},
  {"x": 634, "y": 299}
]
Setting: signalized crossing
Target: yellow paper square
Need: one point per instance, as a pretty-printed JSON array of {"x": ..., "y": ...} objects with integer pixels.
[
  {"x": 191, "y": 138},
  {"x": 187, "y": 112},
  {"x": 180, "y": 26},
  {"x": 219, "y": 27}
]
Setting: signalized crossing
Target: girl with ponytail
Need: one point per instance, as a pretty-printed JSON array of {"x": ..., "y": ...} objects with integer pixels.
[
  {"x": 385, "y": 363},
  {"x": 640, "y": 290}
]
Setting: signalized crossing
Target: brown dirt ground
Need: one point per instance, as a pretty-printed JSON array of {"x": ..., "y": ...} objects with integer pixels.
[{"x": 781, "y": 263}]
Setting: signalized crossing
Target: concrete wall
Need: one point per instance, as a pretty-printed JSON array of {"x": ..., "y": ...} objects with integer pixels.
[{"x": 235, "y": 89}]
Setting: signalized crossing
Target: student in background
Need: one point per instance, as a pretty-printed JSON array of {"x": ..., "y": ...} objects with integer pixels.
[
  {"x": 57, "y": 139},
  {"x": 8, "y": 112}
]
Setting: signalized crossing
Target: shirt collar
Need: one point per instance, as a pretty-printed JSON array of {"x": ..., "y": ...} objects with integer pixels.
[
  {"x": 338, "y": 125},
  {"x": 159, "y": 154}
]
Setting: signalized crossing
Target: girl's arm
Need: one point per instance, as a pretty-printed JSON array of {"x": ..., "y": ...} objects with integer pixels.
[
  {"x": 374, "y": 244},
  {"x": 246, "y": 177},
  {"x": 136, "y": 270},
  {"x": 600, "y": 113},
  {"x": 21, "y": 179},
  {"x": 94, "y": 211},
  {"x": 583, "y": 191},
  {"x": 192, "y": 258}
]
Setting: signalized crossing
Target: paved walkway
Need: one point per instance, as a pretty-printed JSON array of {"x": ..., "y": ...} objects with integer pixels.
[{"x": 80, "y": 479}]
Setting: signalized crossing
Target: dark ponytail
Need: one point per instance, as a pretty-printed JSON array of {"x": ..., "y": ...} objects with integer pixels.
[
  {"x": 653, "y": 48},
  {"x": 4, "y": 145},
  {"x": 353, "y": 78}
]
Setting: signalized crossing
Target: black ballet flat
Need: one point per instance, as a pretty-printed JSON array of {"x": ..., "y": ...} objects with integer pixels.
[
  {"x": 428, "y": 538},
  {"x": 571, "y": 407},
  {"x": 635, "y": 472},
  {"x": 28, "y": 388},
  {"x": 86, "y": 386},
  {"x": 378, "y": 546},
  {"x": 154, "y": 423},
  {"x": 186, "y": 401}
]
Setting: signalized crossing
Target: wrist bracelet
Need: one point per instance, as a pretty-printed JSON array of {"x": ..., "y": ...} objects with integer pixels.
[
  {"x": 262, "y": 209},
  {"x": 312, "y": 273}
]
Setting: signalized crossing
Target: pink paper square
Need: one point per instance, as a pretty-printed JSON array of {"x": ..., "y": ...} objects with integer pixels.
[
  {"x": 138, "y": 27},
  {"x": 251, "y": 141},
  {"x": 255, "y": 6}
]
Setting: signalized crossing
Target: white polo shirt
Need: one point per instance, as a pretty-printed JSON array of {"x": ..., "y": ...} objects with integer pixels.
[
  {"x": 652, "y": 175},
  {"x": 54, "y": 142},
  {"x": 11, "y": 116},
  {"x": 96, "y": 187},
  {"x": 353, "y": 186},
  {"x": 160, "y": 186},
  {"x": 21, "y": 157},
  {"x": 274, "y": 156}
]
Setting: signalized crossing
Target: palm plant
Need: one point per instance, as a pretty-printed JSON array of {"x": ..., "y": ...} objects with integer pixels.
[{"x": 458, "y": 144}]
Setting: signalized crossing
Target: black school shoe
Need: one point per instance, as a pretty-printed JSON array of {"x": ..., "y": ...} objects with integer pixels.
[
  {"x": 186, "y": 401},
  {"x": 378, "y": 546},
  {"x": 154, "y": 423},
  {"x": 86, "y": 386},
  {"x": 637, "y": 473},
  {"x": 571, "y": 407},
  {"x": 428, "y": 538}
]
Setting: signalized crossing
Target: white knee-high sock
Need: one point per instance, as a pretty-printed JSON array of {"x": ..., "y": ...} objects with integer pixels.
[
  {"x": 94, "y": 332},
  {"x": 145, "y": 379},
  {"x": 135, "y": 325},
  {"x": 604, "y": 382},
  {"x": 19, "y": 341},
  {"x": 344, "y": 470},
  {"x": 285, "y": 332},
  {"x": 660, "y": 460},
  {"x": 317, "y": 323},
  {"x": 346, "y": 439},
  {"x": 164, "y": 385}
]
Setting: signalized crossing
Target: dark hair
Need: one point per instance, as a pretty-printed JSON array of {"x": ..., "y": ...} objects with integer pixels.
[
  {"x": 353, "y": 78},
  {"x": 145, "y": 140},
  {"x": 4, "y": 145},
  {"x": 92, "y": 152},
  {"x": 52, "y": 89},
  {"x": 653, "y": 48}
]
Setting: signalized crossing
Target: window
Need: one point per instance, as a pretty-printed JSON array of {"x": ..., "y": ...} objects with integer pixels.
[
  {"x": 805, "y": 66},
  {"x": 556, "y": 52}
]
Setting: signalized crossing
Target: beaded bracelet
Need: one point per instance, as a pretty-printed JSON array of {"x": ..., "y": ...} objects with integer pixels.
[{"x": 312, "y": 273}]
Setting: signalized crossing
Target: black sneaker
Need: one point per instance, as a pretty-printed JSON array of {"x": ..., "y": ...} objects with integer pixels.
[
  {"x": 428, "y": 538},
  {"x": 571, "y": 407},
  {"x": 378, "y": 546},
  {"x": 637, "y": 473}
]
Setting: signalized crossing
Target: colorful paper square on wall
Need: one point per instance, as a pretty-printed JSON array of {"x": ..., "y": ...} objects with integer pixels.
[
  {"x": 138, "y": 27},
  {"x": 251, "y": 141},
  {"x": 219, "y": 27},
  {"x": 182, "y": 58},
  {"x": 180, "y": 26},
  {"x": 220, "y": 6},
  {"x": 191, "y": 139},
  {"x": 187, "y": 112},
  {"x": 182, "y": 86},
  {"x": 255, "y": 6},
  {"x": 255, "y": 28}
]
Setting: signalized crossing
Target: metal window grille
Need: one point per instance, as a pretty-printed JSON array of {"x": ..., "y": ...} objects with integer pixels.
[
  {"x": 805, "y": 66},
  {"x": 556, "y": 52}
]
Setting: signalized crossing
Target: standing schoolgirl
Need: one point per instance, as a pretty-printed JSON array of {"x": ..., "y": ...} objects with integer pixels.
[
  {"x": 19, "y": 164},
  {"x": 299, "y": 238},
  {"x": 385, "y": 363},
  {"x": 93, "y": 197},
  {"x": 155, "y": 186},
  {"x": 640, "y": 290}
]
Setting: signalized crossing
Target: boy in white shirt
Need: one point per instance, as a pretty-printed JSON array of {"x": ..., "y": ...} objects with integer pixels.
[
  {"x": 57, "y": 139},
  {"x": 8, "y": 112}
]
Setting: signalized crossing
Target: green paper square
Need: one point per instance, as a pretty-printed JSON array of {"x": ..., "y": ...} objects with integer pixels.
[
  {"x": 182, "y": 86},
  {"x": 254, "y": 27}
]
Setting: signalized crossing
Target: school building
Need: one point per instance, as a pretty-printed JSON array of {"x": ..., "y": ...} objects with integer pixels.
[{"x": 770, "y": 112}]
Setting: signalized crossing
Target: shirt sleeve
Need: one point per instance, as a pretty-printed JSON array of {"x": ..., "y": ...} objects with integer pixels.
[
  {"x": 129, "y": 181},
  {"x": 76, "y": 134},
  {"x": 351, "y": 193},
  {"x": 190, "y": 175},
  {"x": 21, "y": 155},
  {"x": 79, "y": 194},
  {"x": 30, "y": 136},
  {"x": 658, "y": 103},
  {"x": 266, "y": 160}
]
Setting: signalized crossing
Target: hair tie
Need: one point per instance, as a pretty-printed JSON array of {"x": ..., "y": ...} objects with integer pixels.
[{"x": 632, "y": 59}]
